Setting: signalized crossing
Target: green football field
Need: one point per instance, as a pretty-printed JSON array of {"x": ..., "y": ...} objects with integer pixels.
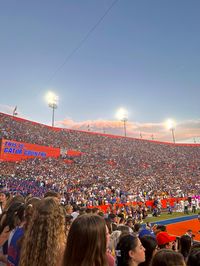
[{"x": 165, "y": 216}]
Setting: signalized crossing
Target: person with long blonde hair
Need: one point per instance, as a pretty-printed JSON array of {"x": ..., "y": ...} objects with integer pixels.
[{"x": 44, "y": 239}]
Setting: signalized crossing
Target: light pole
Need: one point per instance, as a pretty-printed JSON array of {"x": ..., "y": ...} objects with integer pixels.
[
  {"x": 173, "y": 136},
  {"x": 53, "y": 106},
  {"x": 53, "y": 103},
  {"x": 122, "y": 115},
  {"x": 124, "y": 120},
  {"x": 170, "y": 124}
]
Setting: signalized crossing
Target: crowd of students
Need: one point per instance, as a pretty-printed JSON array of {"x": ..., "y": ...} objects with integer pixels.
[
  {"x": 42, "y": 232},
  {"x": 44, "y": 214},
  {"x": 110, "y": 169}
]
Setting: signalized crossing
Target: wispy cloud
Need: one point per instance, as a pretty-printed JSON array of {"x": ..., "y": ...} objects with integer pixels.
[{"x": 187, "y": 131}]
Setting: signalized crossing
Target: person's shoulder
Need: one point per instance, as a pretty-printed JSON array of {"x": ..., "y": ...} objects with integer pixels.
[{"x": 19, "y": 232}]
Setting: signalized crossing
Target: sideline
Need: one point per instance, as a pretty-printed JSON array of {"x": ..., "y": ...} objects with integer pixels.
[{"x": 175, "y": 220}]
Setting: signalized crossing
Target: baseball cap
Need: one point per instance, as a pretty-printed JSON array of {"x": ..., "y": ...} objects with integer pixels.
[{"x": 164, "y": 238}]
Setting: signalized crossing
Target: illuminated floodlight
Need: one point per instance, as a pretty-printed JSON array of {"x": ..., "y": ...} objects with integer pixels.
[
  {"x": 171, "y": 124},
  {"x": 122, "y": 115},
  {"x": 52, "y": 100}
]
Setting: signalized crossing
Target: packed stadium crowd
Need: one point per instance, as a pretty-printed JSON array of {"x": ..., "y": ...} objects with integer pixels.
[
  {"x": 44, "y": 215},
  {"x": 109, "y": 169}
]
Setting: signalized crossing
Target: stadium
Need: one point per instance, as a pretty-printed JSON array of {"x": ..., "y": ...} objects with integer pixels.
[
  {"x": 119, "y": 177},
  {"x": 100, "y": 133}
]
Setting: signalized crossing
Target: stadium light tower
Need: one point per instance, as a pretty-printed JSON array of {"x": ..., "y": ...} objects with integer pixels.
[
  {"x": 170, "y": 124},
  {"x": 52, "y": 100},
  {"x": 122, "y": 115}
]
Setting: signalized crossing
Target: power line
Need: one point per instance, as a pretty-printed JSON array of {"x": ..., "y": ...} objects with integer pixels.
[{"x": 83, "y": 40}]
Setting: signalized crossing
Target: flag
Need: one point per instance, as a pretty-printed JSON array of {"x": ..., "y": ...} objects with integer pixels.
[{"x": 14, "y": 111}]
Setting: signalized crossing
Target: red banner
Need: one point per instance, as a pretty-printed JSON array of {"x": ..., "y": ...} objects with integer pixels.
[
  {"x": 12, "y": 150},
  {"x": 148, "y": 203},
  {"x": 74, "y": 153}
]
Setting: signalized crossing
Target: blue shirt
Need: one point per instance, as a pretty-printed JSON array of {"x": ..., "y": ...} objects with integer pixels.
[{"x": 14, "y": 247}]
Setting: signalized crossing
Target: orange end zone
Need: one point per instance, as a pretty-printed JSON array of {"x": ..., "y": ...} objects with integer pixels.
[{"x": 180, "y": 228}]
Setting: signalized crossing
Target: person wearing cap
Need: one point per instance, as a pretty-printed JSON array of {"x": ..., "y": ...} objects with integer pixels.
[{"x": 165, "y": 240}]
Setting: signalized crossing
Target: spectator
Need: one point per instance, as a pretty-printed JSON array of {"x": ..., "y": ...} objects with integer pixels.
[
  {"x": 91, "y": 250},
  {"x": 150, "y": 245},
  {"x": 129, "y": 251},
  {"x": 165, "y": 241},
  {"x": 166, "y": 257},
  {"x": 15, "y": 236},
  {"x": 146, "y": 230},
  {"x": 185, "y": 245},
  {"x": 194, "y": 256},
  {"x": 137, "y": 228},
  {"x": 114, "y": 239},
  {"x": 44, "y": 240},
  {"x": 190, "y": 234},
  {"x": 7, "y": 225},
  {"x": 114, "y": 221}
]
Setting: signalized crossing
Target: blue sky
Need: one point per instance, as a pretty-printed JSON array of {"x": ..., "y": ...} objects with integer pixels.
[{"x": 144, "y": 56}]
